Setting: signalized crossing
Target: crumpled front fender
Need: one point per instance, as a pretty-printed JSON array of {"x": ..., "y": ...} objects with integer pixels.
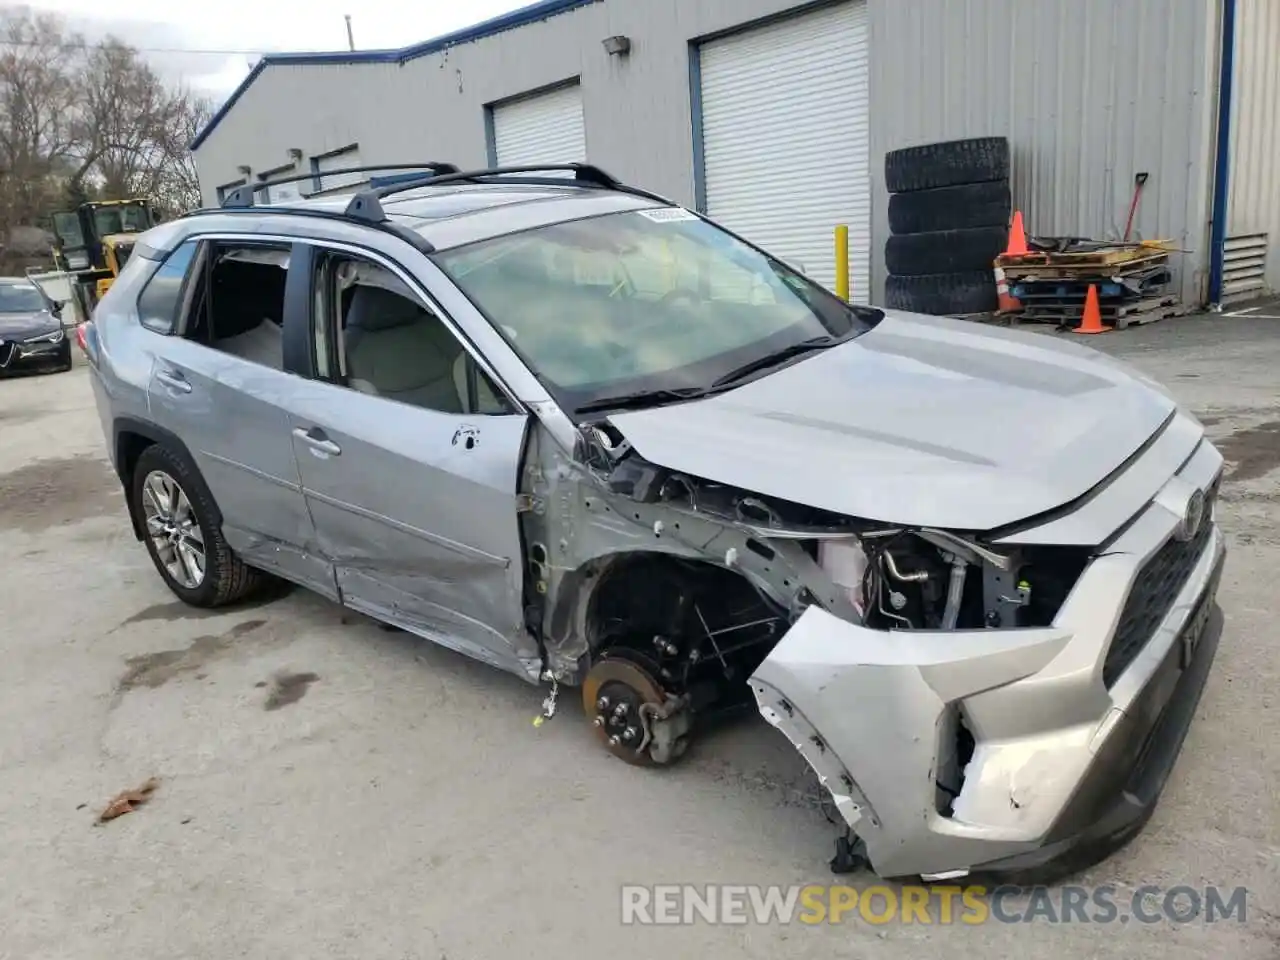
[{"x": 873, "y": 713}]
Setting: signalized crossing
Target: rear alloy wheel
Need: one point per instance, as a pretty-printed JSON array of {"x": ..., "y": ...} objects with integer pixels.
[
  {"x": 182, "y": 529},
  {"x": 173, "y": 529}
]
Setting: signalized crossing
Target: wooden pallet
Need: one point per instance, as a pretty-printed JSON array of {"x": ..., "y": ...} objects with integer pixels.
[
  {"x": 1100, "y": 255},
  {"x": 1119, "y": 316},
  {"x": 1087, "y": 272}
]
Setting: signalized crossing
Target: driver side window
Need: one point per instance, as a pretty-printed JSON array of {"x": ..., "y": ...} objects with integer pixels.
[{"x": 373, "y": 335}]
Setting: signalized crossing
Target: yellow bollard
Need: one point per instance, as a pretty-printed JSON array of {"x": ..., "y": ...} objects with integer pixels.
[{"x": 842, "y": 262}]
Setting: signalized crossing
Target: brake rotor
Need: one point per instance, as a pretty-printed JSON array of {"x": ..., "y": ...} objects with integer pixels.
[{"x": 612, "y": 694}]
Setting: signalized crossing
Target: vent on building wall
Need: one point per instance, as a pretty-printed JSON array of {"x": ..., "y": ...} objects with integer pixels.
[{"x": 1244, "y": 265}]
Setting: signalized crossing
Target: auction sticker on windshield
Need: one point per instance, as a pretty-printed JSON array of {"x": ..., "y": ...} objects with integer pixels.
[{"x": 668, "y": 215}]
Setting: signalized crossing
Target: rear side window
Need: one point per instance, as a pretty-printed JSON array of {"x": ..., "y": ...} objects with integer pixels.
[{"x": 162, "y": 296}]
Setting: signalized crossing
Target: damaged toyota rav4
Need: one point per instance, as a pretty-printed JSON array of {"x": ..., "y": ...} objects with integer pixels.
[{"x": 592, "y": 438}]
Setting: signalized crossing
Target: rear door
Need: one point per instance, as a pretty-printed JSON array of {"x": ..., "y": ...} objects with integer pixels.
[
  {"x": 409, "y": 457},
  {"x": 217, "y": 383}
]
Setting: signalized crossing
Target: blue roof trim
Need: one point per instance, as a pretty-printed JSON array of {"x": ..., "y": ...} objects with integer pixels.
[{"x": 487, "y": 28}]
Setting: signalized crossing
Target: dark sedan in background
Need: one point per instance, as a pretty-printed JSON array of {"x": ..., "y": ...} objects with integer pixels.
[{"x": 31, "y": 334}]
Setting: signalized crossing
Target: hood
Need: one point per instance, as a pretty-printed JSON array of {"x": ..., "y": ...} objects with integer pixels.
[
  {"x": 922, "y": 421},
  {"x": 17, "y": 326}
]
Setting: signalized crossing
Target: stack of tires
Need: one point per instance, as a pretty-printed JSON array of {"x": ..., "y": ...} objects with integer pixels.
[{"x": 949, "y": 209}]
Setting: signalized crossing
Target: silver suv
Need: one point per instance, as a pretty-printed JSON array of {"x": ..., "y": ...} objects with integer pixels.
[{"x": 576, "y": 431}]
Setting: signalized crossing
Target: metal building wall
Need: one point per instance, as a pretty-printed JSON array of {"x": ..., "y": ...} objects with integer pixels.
[
  {"x": 313, "y": 108},
  {"x": 1090, "y": 92},
  {"x": 638, "y": 119},
  {"x": 1254, "y": 179}
]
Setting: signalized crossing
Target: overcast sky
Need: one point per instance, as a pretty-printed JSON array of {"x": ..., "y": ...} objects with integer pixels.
[{"x": 211, "y": 44}]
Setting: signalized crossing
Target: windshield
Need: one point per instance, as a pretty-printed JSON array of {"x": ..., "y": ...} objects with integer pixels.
[
  {"x": 648, "y": 300},
  {"x": 120, "y": 219},
  {"x": 67, "y": 227},
  {"x": 20, "y": 298}
]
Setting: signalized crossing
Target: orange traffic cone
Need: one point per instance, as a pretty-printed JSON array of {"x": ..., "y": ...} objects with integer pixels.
[
  {"x": 1091, "y": 321},
  {"x": 1017, "y": 237},
  {"x": 1005, "y": 301}
]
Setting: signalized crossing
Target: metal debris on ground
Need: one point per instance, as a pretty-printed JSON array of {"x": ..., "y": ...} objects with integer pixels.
[
  {"x": 126, "y": 801},
  {"x": 1052, "y": 279},
  {"x": 549, "y": 702}
]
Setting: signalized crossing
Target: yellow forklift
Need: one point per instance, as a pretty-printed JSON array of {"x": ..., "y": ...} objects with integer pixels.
[{"x": 93, "y": 242}]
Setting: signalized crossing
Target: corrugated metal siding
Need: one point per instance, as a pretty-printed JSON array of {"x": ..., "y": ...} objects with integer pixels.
[
  {"x": 314, "y": 108},
  {"x": 1254, "y": 184},
  {"x": 1090, "y": 93},
  {"x": 638, "y": 114}
]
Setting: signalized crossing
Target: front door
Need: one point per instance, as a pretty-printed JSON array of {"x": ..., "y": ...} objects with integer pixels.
[
  {"x": 217, "y": 380},
  {"x": 409, "y": 459}
]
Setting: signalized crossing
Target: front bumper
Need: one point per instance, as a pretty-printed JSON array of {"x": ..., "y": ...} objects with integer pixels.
[
  {"x": 16, "y": 357},
  {"x": 1065, "y": 768}
]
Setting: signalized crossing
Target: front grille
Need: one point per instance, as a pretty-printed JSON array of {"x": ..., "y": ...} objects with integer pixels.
[{"x": 1153, "y": 594}]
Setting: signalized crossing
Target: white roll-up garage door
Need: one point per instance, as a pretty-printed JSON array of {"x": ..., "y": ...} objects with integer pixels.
[
  {"x": 785, "y": 138},
  {"x": 282, "y": 192},
  {"x": 350, "y": 157},
  {"x": 543, "y": 128}
]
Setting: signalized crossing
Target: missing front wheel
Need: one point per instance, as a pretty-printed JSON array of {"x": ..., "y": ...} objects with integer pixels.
[{"x": 634, "y": 717}]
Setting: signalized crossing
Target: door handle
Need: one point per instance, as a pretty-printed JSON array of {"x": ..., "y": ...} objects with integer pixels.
[
  {"x": 316, "y": 440},
  {"x": 174, "y": 381}
]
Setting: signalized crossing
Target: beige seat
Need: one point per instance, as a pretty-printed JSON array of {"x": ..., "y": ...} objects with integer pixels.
[{"x": 397, "y": 349}]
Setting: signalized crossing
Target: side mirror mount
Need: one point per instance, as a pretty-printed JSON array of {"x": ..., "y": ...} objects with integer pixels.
[{"x": 55, "y": 308}]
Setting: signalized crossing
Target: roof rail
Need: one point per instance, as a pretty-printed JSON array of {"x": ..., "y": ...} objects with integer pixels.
[
  {"x": 242, "y": 196},
  {"x": 408, "y": 235},
  {"x": 366, "y": 205}
]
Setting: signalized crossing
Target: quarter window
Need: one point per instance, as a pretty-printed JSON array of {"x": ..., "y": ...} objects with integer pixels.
[{"x": 162, "y": 296}]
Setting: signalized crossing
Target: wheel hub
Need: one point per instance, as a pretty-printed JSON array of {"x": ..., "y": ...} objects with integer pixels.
[{"x": 624, "y": 704}]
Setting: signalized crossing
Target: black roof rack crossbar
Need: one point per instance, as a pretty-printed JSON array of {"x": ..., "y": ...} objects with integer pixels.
[
  {"x": 366, "y": 205},
  {"x": 242, "y": 196},
  {"x": 582, "y": 173}
]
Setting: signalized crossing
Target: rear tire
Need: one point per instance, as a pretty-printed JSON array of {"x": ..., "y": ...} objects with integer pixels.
[
  {"x": 179, "y": 527},
  {"x": 951, "y": 208},
  {"x": 946, "y": 164},
  {"x": 943, "y": 294}
]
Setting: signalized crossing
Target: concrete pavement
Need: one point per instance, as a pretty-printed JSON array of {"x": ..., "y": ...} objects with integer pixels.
[{"x": 333, "y": 789}]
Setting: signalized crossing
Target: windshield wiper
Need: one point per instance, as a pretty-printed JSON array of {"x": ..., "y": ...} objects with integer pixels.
[
  {"x": 643, "y": 398},
  {"x": 775, "y": 358}
]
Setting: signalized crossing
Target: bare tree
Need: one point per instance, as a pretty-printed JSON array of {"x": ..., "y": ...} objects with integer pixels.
[
  {"x": 177, "y": 188},
  {"x": 125, "y": 122},
  {"x": 81, "y": 120},
  {"x": 40, "y": 83}
]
